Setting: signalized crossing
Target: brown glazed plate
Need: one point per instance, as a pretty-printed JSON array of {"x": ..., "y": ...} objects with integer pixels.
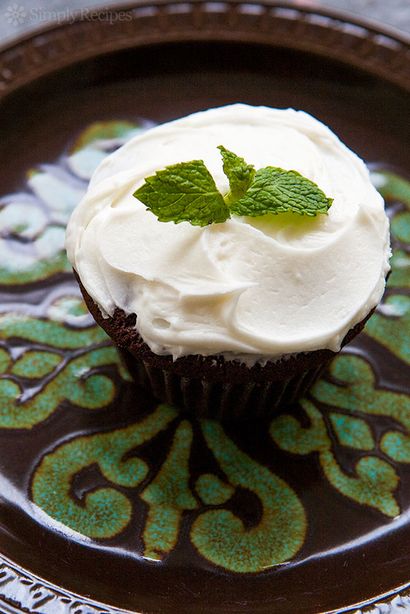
[{"x": 107, "y": 497}]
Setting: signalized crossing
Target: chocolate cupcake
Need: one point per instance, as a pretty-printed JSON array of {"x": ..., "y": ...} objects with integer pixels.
[{"x": 277, "y": 256}]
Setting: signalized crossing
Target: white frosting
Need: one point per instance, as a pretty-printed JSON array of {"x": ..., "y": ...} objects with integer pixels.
[{"x": 255, "y": 289}]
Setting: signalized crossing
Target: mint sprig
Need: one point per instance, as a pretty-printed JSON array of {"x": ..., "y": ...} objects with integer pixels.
[
  {"x": 186, "y": 192},
  {"x": 239, "y": 173}
]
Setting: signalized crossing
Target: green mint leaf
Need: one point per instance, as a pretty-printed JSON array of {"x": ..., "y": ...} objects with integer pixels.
[
  {"x": 187, "y": 192},
  {"x": 275, "y": 190},
  {"x": 239, "y": 173},
  {"x": 184, "y": 192}
]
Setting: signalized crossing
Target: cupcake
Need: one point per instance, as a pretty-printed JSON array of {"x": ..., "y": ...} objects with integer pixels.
[{"x": 229, "y": 255}]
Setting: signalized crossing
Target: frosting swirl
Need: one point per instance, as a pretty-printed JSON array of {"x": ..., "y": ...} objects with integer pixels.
[{"x": 250, "y": 288}]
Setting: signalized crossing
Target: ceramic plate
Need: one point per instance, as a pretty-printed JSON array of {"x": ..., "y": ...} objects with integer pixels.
[{"x": 103, "y": 492}]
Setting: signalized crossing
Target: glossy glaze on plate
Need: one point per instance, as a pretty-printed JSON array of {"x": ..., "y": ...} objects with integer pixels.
[{"x": 108, "y": 494}]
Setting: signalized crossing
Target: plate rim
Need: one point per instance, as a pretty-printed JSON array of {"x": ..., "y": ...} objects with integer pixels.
[
  {"x": 368, "y": 23},
  {"x": 48, "y": 49},
  {"x": 27, "y": 581}
]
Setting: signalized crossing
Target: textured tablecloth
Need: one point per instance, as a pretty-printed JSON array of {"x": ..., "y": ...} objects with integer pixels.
[{"x": 18, "y": 16}]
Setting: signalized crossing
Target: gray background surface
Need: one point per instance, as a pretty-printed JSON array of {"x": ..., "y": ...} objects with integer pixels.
[{"x": 18, "y": 16}]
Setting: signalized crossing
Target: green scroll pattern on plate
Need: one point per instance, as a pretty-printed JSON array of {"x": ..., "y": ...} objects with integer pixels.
[{"x": 61, "y": 360}]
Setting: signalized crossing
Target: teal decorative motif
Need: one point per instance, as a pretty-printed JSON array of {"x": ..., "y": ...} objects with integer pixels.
[
  {"x": 400, "y": 227},
  {"x": 32, "y": 224},
  {"x": 362, "y": 396},
  {"x": 221, "y": 537},
  {"x": 52, "y": 355},
  {"x": 400, "y": 274},
  {"x": 375, "y": 479},
  {"x": 212, "y": 491},
  {"x": 104, "y": 511},
  {"x": 60, "y": 368},
  {"x": 71, "y": 380},
  {"x": 352, "y": 432},
  {"x": 217, "y": 534},
  {"x": 53, "y": 334},
  {"x": 390, "y": 326},
  {"x": 35, "y": 364},
  {"x": 168, "y": 495},
  {"x": 392, "y": 187}
]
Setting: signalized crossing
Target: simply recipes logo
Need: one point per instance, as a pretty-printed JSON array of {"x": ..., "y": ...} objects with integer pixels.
[{"x": 17, "y": 14}]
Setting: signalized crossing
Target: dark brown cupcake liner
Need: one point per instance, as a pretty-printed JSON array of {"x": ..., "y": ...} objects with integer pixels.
[
  {"x": 211, "y": 386},
  {"x": 217, "y": 399}
]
